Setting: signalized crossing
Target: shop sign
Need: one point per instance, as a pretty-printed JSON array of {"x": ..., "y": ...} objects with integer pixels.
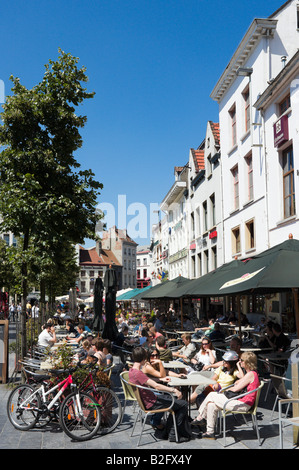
[
  {"x": 281, "y": 131},
  {"x": 213, "y": 234}
]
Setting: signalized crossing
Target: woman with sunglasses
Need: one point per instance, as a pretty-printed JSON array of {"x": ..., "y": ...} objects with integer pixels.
[
  {"x": 224, "y": 376},
  {"x": 206, "y": 355},
  {"x": 153, "y": 367},
  {"x": 151, "y": 401},
  {"x": 214, "y": 402}
]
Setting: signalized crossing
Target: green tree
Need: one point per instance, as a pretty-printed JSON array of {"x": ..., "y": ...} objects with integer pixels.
[{"x": 45, "y": 198}]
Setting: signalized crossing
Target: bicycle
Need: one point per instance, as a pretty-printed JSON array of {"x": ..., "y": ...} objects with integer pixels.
[
  {"x": 79, "y": 413},
  {"x": 110, "y": 404}
]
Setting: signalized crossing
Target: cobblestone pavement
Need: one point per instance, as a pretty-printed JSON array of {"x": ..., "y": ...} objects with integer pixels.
[{"x": 240, "y": 435}]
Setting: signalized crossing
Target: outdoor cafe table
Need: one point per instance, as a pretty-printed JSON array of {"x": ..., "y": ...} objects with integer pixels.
[
  {"x": 174, "y": 365},
  {"x": 193, "y": 379},
  {"x": 255, "y": 349},
  {"x": 179, "y": 332},
  {"x": 274, "y": 358}
]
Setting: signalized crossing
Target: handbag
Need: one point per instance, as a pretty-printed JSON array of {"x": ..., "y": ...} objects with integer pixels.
[
  {"x": 197, "y": 367},
  {"x": 231, "y": 394}
]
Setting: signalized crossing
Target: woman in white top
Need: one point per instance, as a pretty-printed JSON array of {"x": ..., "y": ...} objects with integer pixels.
[{"x": 205, "y": 356}]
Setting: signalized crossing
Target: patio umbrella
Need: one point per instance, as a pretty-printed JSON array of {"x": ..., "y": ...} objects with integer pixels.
[
  {"x": 140, "y": 293},
  {"x": 98, "y": 322},
  {"x": 273, "y": 270},
  {"x": 162, "y": 290},
  {"x": 110, "y": 329},
  {"x": 205, "y": 285}
]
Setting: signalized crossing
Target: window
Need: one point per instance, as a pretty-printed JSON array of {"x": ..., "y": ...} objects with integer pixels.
[
  {"x": 235, "y": 175},
  {"x": 206, "y": 256},
  {"x": 91, "y": 273},
  {"x": 246, "y": 99},
  {"x": 193, "y": 267},
  {"x": 288, "y": 182},
  {"x": 233, "y": 123},
  {"x": 192, "y": 226},
  {"x": 83, "y": 286},
  {"x": 197, "y": 229},
  {"x": 199, "y": 265},
  {"x": 213, "y": 209},
  {"x": 209, "y": 166},
  {"x": 249, "y": 235},
  {"x": 284, "y": 104},
  {"x": 249, "y": 177},
  {"x": 214, "y": 255},
  {"x": 236, "y": 242},
  {"x": 205, "y": 216},
  {"x": 83, "y": 273}
]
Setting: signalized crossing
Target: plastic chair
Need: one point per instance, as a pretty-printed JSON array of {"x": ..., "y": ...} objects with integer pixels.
[
  {"x": 279, "y": 384},
  {"x": 293, "y": 421},
  {"x": 108, "y": 370},
  {"x": 143, "y": 412},
  {"x": 252, "y": 411},
  {"x": 128, "y": 391}
]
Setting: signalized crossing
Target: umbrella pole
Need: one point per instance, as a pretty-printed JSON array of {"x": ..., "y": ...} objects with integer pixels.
[
  {"x": 239, "y": 316},
  {"x": 181, "y": 302},
  {"x": 295, "y": 380}
]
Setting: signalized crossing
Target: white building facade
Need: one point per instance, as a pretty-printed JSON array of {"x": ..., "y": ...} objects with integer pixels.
[
  {"x": 238, "y": 194},
  {"x": 252, "y": 174}
]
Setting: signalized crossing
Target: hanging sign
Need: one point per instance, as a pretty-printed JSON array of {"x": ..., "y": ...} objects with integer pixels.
[{"x": 281, "y": 131}]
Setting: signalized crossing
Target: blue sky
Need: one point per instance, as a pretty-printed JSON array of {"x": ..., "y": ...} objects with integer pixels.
[{"x": 152, "y": 65}]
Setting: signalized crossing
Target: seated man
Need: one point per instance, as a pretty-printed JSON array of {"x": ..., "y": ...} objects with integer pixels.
[
  {"x": 217, "y": 333},
  {"x": 82, "y": 334},
  {"x": 48, "y": 336},
  {"x": 187, "y": 351},
  {"x": 165, "y": 353},
  {"x": 151, "y": 401}
]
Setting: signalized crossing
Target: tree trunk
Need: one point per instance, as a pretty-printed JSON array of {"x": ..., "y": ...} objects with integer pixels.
[
  {"x": 42, "y": 313},
  {"x": 24, "y": 284}
]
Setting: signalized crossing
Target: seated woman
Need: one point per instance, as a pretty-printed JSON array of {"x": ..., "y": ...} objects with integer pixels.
[
  {"x": 215, "y": 401},
  {"x": 152, "y": 402},
  {"x": 105, "y": 347},
  {"x": 224, "y": 376},
  {"x": 153, "y": 367},
  {"x": 206, "y": 356},
  {"x": 98, "y": 346}
]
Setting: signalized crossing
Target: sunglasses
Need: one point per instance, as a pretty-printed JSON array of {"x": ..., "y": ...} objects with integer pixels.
[{"x": 154, "y": 355}]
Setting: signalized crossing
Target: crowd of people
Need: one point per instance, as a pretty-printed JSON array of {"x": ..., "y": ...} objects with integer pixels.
[{"x": 149, "y": 348}]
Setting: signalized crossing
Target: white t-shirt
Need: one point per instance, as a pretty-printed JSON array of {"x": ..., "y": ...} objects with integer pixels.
[
  {"x": 45, "y": 339},
  {"x": 204, "y": 358},
  {"x": 34, "y": 311}
]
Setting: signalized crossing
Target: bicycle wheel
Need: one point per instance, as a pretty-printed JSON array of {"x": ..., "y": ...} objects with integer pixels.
[
  {"x": 22, "y": 407},
  {"x": 111, "y": 409},
  {"x": 82, "y": 424}
]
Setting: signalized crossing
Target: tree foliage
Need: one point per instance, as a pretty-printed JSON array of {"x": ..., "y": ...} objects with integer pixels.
[{"x": 45, "y": 198}]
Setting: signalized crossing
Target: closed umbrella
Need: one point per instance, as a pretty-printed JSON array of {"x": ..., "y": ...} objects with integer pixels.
[
  {"x": 98, "y": 321},
  {"x": 110, "y": 283}
]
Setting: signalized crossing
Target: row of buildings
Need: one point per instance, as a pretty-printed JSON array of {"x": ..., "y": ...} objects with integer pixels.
[{"x": 236, "y": 194}]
